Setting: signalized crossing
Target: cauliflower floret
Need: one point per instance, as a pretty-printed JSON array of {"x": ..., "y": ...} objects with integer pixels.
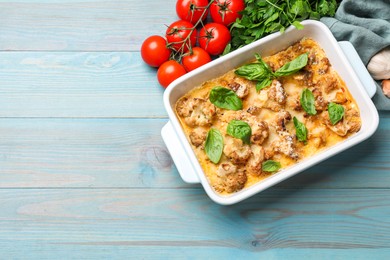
[
  {"x": 260, "y": 129},
  {"x": 317, "y": 132},
  {"x": 255, "y": 161},
  {"x": 340, "y": 98},
  {"x": 260, "y": 132},
  {"x": 320, "y": 103},
  {"x": 282, "y": 118},
  {"x": 230, "y": 178},
  {"x": 327, "y": 82},
  {"x": 236, "y": 150},
  {"x": 349, "y": 124},
  {"x": 277, "y": 93},
  {"x": 196, "y": 111},
  {"x": 304, "y": 77},
  {"x": 198, "y": 136},
  {"x": 285, "y": 144},
  {"x": 324, "y": 65},
  {"x": 241, "y": 90},
  {"x": 253, "y": 110},
  {"x": 353, "y": 118},
  {"x": 276, "y": 96}
]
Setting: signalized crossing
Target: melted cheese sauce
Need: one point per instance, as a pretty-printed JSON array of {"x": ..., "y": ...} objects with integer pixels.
[{"x": 318, "y": 76}]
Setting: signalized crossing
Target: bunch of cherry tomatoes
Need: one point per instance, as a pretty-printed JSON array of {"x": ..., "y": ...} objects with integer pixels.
[{"x": 191, "y": 41}]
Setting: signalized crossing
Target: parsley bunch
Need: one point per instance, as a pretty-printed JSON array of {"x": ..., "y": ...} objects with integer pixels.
[{"x": 263, "y": 17}]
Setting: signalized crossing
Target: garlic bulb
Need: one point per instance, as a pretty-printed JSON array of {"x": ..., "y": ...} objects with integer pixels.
[{"x": 379, "y": 65}]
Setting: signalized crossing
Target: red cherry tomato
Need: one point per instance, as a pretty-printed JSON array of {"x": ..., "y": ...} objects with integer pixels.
[
  {"x": 214, "y": 37},
  {"x": 154, "y": 51},
  {"x": 180, "y": 35},
  {"x": 169, "y": 71},
  {"x": 192, "y": 10},
  {"x": 197, "y": 58},
  {"x": 226, "y": 11}
]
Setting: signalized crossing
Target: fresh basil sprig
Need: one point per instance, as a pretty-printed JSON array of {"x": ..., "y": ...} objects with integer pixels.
[
  {"x": 225, "y": 98},
  {"x": 301, "y": 130},
  {"x": 293, "y": 66},
  {"x": 307, "y": 102},
  {"x": 240, "y": 129},
  {"x": 262, "y": 73},
  {"x": 271, "y": 166},
  {"x": 258, "y": 71},
  {"x": 336, "y": 112},
  {"x": 214, "y": 145}
]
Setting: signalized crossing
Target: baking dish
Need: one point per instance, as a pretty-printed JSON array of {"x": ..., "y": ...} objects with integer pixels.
[{"x": 344, "y": 60}]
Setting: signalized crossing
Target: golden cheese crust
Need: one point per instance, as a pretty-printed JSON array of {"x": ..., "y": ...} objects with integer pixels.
[{"x": 269, "y": 113}]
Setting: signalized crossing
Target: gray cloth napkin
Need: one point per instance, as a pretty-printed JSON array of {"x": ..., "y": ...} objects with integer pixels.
[{"x": 366, "y": 24}]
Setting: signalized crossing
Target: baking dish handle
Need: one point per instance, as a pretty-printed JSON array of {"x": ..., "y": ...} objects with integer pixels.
[
  {"x": 358, "y": 66},
  {"x": 178, "y": 154}
]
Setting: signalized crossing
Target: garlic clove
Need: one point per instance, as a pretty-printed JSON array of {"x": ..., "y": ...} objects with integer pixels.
[
  {"x": 379, "y": 65},
  {"x": 386, "y": 87}
]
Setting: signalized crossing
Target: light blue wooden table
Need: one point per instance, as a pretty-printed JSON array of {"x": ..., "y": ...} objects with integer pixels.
[{"x": 84, "y": 173}]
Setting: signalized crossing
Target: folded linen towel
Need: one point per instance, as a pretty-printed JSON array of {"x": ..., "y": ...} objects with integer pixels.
[{"x": 366, "y": 24}]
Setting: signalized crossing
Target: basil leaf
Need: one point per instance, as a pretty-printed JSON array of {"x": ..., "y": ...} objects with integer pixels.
[
  {"x": 293, "y": 66},
  {"x": 214, "y": 145},
  {"x": 225, "y": 98},
  {"x": 263, "y": 84},
  {"x": 240, "y": 129},
  {"x": 271, "y": 166},
  {"x": 307, "y": 102},
  {"x": 301, "y": 130},
  {"x": 258, "y": 70},
  {"x": 336, "y": 112}
]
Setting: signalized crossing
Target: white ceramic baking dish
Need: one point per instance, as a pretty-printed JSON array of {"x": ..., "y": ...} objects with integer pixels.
[{"x": 344, "y": 60}]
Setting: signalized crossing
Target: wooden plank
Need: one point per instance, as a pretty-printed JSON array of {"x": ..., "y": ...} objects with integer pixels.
[
  {"x": 126, "y": 153},
  {"x": 84, "y": 153},
  {"x": 68, "y": 84},
  {"x": 185, "y": 223},
  {"x": 82, "y": 25}
]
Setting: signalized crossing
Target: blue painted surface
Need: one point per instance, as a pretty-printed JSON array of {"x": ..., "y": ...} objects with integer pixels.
[{"x": 84, "y": 173}]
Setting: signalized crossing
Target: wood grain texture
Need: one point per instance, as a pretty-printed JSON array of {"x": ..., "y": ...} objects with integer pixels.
[
  {"x": 185, "y": 223},
  {"x": 127, "y": 153},
  {"x": 84, "y": 173},
  {"x": 73, "y": 84},
  {"x": 82, "y": 25}
]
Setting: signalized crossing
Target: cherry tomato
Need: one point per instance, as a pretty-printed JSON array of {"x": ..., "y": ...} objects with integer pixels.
[
  {"x": 154, "y": 51},
  {"x": 180, "y": 35},
  {"x": 169, "y": 71},
  {"x": 197, "y": 58},
  {"x": 214, "y": 37},
  {"x": 192, "y": 10},
  {"x": 226, "y": 11}
]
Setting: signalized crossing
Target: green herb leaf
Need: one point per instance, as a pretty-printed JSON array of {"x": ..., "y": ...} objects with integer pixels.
[
  {"x": 307, "y": 102},
  {"x": 293, "y": 66},
  {"x": 225, "y": 98},
  {"x": 326, "y": 7},
  {"x": 214, "y": 145},
  {"x": 263, "y": 84},
  {"x": 262, "y": 17},
  {"x": 259, "y": 71},
  {"x": 240, "y": 129},
  {"x": 336, "y": 112},
  {"x": 297, "y": 25},
  {"x": 271, "y": 166},
  {"x": 301, "y": 130},
  {"x": 300, "y": 9}
]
